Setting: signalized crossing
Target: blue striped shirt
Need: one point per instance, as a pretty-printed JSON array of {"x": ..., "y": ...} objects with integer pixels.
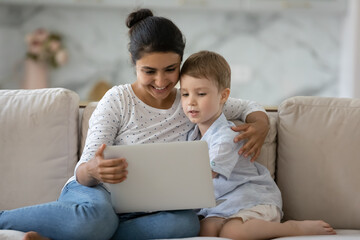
[{"x": 241, "y": 184}]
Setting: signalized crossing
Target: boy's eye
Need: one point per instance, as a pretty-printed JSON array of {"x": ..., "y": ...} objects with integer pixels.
[
  {"x": 150, "y": 72},
  {"x": 170, "y": 69},
  {"x": 185, "y": 94},
  {"x": 202, "y": 94}
]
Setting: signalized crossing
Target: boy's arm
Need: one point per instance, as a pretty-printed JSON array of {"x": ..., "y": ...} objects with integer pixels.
[{"x": 223, "y": 157}]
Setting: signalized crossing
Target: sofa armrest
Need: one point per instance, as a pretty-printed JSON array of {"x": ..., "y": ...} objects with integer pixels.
[
  {"x": 318, "y": 159},
  {"x": 38, "y": 144}
]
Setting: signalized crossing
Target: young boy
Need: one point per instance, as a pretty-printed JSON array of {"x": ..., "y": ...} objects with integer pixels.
[{"x": 251, "y": 202}]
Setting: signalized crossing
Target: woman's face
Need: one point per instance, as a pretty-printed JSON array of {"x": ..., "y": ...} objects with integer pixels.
[{"x": 157, "y": 74}]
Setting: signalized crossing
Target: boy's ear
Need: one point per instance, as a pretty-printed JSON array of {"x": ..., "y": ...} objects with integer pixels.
[{"x": 225, "y": 95}]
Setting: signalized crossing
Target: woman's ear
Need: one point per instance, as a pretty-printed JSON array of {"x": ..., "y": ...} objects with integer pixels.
[{"x": 225, "y": 95}]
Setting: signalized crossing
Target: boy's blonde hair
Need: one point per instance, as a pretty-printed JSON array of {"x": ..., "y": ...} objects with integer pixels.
[{"x": 210, "y": 65}]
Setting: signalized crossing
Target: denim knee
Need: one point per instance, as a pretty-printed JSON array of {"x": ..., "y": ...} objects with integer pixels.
[
  {"x": 159, "y": 225},
  {"x": 180, "y": 223},
  {"x": 101, "y": 223},
  {"x": 188, "y": 224}
]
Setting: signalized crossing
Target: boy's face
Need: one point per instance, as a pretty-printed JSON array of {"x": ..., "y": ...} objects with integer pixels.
[{"x": 201, "y": 99}]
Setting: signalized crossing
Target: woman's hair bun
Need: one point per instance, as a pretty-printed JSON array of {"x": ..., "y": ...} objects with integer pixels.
[{"x": 138, "y": 16}]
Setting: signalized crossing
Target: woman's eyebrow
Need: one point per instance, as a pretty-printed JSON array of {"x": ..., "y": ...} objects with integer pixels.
[
  {"x": 171, "y": 66},
  {"x": 150, "y": 68}
]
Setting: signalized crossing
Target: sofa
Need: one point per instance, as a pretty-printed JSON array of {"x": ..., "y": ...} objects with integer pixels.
[{"x": 312, "y": 151}]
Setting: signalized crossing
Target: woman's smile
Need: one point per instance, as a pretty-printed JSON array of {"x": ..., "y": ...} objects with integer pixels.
[{"x": 157, "y": 74}]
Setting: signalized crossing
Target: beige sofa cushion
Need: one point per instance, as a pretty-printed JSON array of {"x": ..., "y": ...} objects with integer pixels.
[
  {"x": 319, "y": 159},
  {"x": 38, "y": 144},
  {"x": 268, "y": 152},
  {"x": 89, "y": 109}
]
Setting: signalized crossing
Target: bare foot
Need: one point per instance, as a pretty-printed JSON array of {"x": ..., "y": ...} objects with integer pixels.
[
  {"x": 34, "y": 236},
  {"x": 309, "y": 227}
]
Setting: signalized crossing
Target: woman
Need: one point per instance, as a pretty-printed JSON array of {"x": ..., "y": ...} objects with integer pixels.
[{"x": 146, "y": 111}]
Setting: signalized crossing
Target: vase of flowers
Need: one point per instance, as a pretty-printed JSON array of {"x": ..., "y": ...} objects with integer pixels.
[{"x": 45, "y": 50}]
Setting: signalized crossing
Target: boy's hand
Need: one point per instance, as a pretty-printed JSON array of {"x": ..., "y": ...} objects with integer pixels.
[
  {"x": 107, "y": 170},
  {"x": 255, "y": 134}
]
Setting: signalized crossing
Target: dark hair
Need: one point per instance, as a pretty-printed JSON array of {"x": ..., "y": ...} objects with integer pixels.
[
  {"x": 149, "y": 33},
  {"x": 210, "y": 65}
]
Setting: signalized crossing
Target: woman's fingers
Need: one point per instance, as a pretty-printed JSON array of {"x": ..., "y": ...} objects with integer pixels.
[
  {"x": 116, "y": 162},
  {"x": 248, "y": 148},
  {"x": 114, "y": 177},
  {"x": 251, "y": 148},
  {"x": 256, "y": 155},
  {"x": 110, "y": 170},
  {"x": 241, "y": 127},
  {"x": 99, "y": 152},
  {"x": 244, "y": 128},
  {"x": 114, "y": 180},
  {"x": 113, "y": 170},
  {"x": 254, "y": 134}
]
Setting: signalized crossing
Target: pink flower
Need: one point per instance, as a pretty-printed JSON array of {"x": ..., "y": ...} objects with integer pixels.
[
  {"x": 61, "y": 57},
  {"x": 41, "y": 35},
  {"x": 54, "y": 46},
  {"x": 35, "y": 48},
  {"x": 46, "y": 47}
]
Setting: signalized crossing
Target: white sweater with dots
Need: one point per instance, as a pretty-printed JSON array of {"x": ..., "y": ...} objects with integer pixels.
[{"x": 122, "y": 118}]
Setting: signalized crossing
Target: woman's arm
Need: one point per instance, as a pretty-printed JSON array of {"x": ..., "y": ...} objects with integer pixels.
[
  {"x": 98, "y": 170},
  {"x": 254, "y": 131},
  {"x": 104, "y": 125}
]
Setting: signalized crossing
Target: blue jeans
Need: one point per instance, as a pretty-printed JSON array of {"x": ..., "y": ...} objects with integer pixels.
[
  {"x": 165, "y": 224},
  {"x": 86, "y": 213}
]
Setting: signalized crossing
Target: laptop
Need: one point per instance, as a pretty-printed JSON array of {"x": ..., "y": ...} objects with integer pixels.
[{"x": 163, "y": 176}]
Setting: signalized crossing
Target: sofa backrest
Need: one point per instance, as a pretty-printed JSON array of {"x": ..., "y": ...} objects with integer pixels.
[
  {"x": 268, "y": 152},
  {"x": 319, "y": 159},
  {"x": 38, "y": 144}
]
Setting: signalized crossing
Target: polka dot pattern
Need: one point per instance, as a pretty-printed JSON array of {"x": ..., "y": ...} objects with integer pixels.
[{"x": 122, "y": 118}]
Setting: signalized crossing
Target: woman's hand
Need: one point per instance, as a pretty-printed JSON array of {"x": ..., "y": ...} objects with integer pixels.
[
  {"x": 255, "y": 132},
  {"x": 99, "y": 169}
]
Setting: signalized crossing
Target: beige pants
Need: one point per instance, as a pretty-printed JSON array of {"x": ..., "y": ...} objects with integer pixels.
[{"x": 268, "y": 213}]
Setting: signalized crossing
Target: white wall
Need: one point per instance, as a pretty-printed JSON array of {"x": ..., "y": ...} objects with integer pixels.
[
  {"x": 274, "y": 54},
  {"x": 349, "y": 84}
]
